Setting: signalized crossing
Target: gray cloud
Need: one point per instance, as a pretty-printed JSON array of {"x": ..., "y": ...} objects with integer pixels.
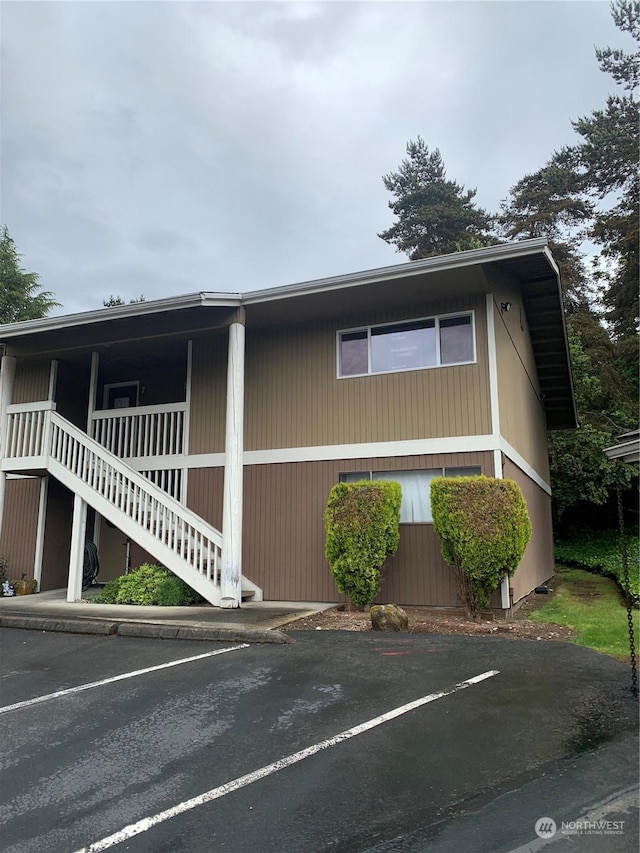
[{"x": 167, "y": 147}]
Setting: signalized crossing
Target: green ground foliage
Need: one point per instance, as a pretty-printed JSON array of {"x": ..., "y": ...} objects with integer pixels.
[
  {"x": 148, "y": 584},
  {"x": 600, "y": 551},
  {"x": 484, "y": 527},
  {"x": 362, "y": 522},
  {"x": 592, "y": 605}
]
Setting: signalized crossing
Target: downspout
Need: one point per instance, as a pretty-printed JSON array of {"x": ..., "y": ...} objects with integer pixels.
[
  {"x": 231, "y": 577},
  {"x": 505, "y": 598}
]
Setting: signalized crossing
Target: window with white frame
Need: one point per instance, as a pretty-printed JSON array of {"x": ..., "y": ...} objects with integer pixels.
[
  {"x": 412, "y": 345},
  {"x": 416, "y": 488}
]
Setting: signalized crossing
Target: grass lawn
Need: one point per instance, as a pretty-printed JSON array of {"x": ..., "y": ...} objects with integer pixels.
[{"x": 592, "y": 605}]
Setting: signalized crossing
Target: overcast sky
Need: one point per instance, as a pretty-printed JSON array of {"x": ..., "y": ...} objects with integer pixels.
[{"x": 161, "y": 148}]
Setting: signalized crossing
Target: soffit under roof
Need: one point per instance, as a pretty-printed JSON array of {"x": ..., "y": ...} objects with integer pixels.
[{"x": 542, "y": 301}]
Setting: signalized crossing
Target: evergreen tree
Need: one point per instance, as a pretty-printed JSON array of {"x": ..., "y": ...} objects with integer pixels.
[
  {"x": 580, "y": 472},
  {"x": 607, "y": 161},
  {"x": 19, "y": 296},
  {"x": 435, "y": 216},
  {"x": 567, "y": 200},
  {"x": 114, "y": 301},
  {"x": 549, "y": 203}
]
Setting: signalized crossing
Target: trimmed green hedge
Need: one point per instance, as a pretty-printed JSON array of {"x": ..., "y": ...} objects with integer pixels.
[
  {"x": 599, "y": 551},
  {"x": 362, "y": 522},
  {"x": 484, "y": 527},
  {"x": 148, "y": 584}
]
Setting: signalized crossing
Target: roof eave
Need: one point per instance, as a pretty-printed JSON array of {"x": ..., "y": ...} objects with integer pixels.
[
  {"x": 115, "y": 312},
  {"x": 472, "y": 257}
]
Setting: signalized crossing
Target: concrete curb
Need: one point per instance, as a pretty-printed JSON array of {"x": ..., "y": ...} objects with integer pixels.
[
  {"x": 142, "y": 629},
  {"x": 62, "y": 625},
  {"x": 192, "y": 632}
]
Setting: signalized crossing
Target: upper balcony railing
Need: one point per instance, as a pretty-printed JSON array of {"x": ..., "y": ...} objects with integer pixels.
[{"x": 141, "y": 431}]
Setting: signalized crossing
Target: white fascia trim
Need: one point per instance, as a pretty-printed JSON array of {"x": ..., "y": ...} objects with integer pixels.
[
  {"x": 329, "y": 452},
  {"x": 472, "y": 257},
  {"x": 135, "y": 309},
  {"x": 159, "y": 463},
  {"x": 206, "y": 460},
  {"x": 375, "y": 449},
  {"x": 22, "y": 476},
  {"x": 511, "y": 453}
]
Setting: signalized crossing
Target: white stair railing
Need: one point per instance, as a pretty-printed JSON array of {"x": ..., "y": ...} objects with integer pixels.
[
  {"x": 38, "y": 437},
  {"x": 141, "y": 431},
  {"x": 25, "y": 430}
]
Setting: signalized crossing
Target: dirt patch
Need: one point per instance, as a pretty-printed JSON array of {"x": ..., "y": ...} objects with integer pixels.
[{"x": 428, "y": 620}]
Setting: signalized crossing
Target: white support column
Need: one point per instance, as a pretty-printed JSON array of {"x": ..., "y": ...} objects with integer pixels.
[
  {"x": 93, "y": 390},
  {"x": 76, "y": 554},
  {"x": 7, "y": 377},
  {"x": 231, "y": 579},
  {"x": 186, "y": 425},
  {"x": 42, "y": 518},
  {"x": 53, "y": 379}
]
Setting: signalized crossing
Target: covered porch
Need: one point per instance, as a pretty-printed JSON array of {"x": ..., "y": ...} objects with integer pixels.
[{"x": 123, "y": 378}]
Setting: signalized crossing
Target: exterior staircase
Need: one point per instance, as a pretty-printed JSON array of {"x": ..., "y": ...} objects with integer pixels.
[{"x": 40, "y": 441}]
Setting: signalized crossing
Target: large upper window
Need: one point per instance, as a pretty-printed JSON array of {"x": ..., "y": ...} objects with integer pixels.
[{"x": 413, "y": 345}]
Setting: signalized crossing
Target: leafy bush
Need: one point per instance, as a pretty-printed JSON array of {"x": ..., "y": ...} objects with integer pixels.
[
  {"x": 174, "y": 592},
  {"x": 362, "y": 522},
  {"x": 599, "y": 551},
  {"x": 148, "y": 584},
  {"x": 484, "y": 527}
]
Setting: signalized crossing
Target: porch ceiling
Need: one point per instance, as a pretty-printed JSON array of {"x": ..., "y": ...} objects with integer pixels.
[{"x": 101, "y": 332}]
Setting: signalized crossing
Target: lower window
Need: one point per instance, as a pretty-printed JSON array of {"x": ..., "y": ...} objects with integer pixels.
[{"x": 416, "y": 488}]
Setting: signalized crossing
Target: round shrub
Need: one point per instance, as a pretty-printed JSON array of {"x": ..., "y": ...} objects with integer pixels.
[
  {"x": 484, "y": 526},
  {"x": 362, "y": 523}
]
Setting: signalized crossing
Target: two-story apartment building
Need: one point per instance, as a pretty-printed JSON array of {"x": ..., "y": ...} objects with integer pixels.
[{"x": 206, "y": 430}]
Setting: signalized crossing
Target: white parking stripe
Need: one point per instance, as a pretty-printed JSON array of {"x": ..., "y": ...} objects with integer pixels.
[
  {"x": 90, "y": 685},
  {"x": 215, "y": 793}
]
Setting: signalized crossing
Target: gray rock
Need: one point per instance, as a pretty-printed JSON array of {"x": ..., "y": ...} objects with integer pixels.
[{"x": 388, "y": 617}]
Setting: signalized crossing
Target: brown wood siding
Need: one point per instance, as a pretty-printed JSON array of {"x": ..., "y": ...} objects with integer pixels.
[
  {"x": 19, "y": 529},
  {"x": 57, "y": 536},
  {"x": 208, "y": 394},
  {"x": 522, "y": 416},
  {"x": 417, "y": 574},
  {"x": 139, "y": 556},
  {"x": 31, "y": 380},
  {"x": 537, "y": 564},
  {"x": 293, "y": 397},
  {"x": 204, "y": 494},
  {"x": 283, "y": 535},
  {"x": 113, "y": 553}
]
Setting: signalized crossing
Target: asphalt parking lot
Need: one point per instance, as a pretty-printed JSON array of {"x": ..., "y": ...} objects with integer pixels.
[{"x": 337, "y": 742}]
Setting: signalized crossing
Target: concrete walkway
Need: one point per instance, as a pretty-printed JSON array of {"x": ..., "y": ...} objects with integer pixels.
[{"x": 257, "y": 622}]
